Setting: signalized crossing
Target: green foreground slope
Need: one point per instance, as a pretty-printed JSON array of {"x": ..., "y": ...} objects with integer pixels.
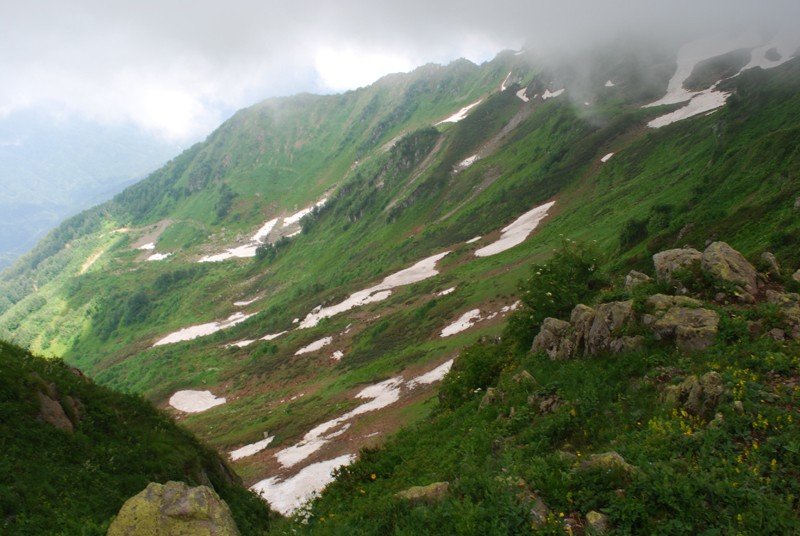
[{"x": 72, "y": 477}]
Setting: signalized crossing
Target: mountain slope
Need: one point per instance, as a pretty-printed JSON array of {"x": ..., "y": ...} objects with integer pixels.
[{"x": 377, "y": 230}]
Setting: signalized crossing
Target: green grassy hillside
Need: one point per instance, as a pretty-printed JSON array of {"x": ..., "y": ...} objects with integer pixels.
[
  {"x": 72, "y": 479},
  {"x": 401, "y": 186}
]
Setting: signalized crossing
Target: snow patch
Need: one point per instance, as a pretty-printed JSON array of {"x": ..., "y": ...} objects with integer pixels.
[
  {"x": 703, "y": 101},
  {"x": 158, "y": 256},
  {"x": 241, "y": 344},
  {"x": 297, "y": 216},
  {"x": 446, "y": 291},
  {"x": 432, "y": 376},
  {"x": 252, "y": 448},
  {"x": 504, "y": 85},
  {"x": 473, "y": 240},
  {"x": 288, "y": 495},
  {"x": 194, "y": 401},
  {"x": 516, "y": 232},
  {"x": 264, "y": 231},
  {"x": 244, "y": 303},
  {"x": 459, "y": 115},
  {"x": 464, "y": 322},
  {"x": 464, "y": 164},
  {"x": 609, "y": 83},
  {"x": 381, "y": 395},
  {"x": 607, "y": 157},
  {"x": 314, "y": 346},
  {"x": 200, "y": 330},
  {"x": 422, "y": 270},
  {"x": 522, "y": 95},
  {"x": 337, "y": 355},
  {"x": 551, "y": 94},
  {"x": 148, "y": 247},
  {"x": 273, "y": 336}
]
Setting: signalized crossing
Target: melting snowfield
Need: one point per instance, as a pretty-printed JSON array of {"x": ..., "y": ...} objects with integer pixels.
[
  {"x": 464, "y": 322},
  {"x": 550, "y": 94},
  {"x": 431, "y": 377},
  {"x": 420, "y": 271},
  {"x": 314, "y": 346},
  {"x": 516, "y": 233},
  {"x": 194, "y": 401},
  {"x": 200, "y": 330},
  {"x": 252, "y": 448},
  {"x": 380, "y": 395},
  {"x": 297, "y": 216},
  {"x": 286, "y": 496},
  {"x": 459, "y": 115},
  {"x": 704, "y": 101}
]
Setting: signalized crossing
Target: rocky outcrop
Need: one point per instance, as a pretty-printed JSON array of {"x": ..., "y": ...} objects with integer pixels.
[
  {"x": 726, "y": 264},
  {"x": 609, "y": 319},
  {"x": 698, "y": 396},
  {"x": 667, "y": 262},
  {"x": 52, "y": 412},
  {"x": 430, "y": 494},
  {"x": 634, "y": 279},
  {"x": 693, "y": 328},
  {"x": 553, "y": 339},
  {"x": 493, "y": 394},
  {"x": 796, "y": 276},
  {"x": 789, "y": 307},
  {"x": 174, "y": 509},
  {"x": 771, "y": 263}
]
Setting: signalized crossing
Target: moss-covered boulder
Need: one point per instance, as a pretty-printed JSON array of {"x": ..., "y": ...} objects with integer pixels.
[
  {"x": 432, "y": 493},
  {"x": 697, "y": 395},
  {"x": 726, "y": 264},
  {"x": 174, "y": 509}
]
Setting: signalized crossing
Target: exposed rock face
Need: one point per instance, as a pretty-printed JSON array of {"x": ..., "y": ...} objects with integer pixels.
[
  {"x": 789, "y": 306},
  {"x": 698, "y": 396},
  {"x": 608, "y": 320},
  {"x": 430, "y": 494},
  {"x": 51, "y": 412},
  {"x": 552, "y": 339},
  {"x": 666, "y": 262},
  {"x": 773, "y": 268},
  {"x": 174, "y": 509},
  {"x": 796, "y": 276},
  {"x": 726, "y": 264},
  {"x": 694, "y": 329},
  {"x": 634, "y": 279}
]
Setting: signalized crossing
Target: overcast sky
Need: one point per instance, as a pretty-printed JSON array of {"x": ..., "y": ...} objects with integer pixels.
[{"x": 178, "y": 68}]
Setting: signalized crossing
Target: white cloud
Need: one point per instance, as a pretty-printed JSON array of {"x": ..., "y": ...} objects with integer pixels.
[{"x": 348, "y": 68}]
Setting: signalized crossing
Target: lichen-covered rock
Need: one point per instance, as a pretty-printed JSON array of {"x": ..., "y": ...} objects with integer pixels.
[
  {"x": 174, "y": 509},
  {"x": 694, "y": 329},
  {"x": 609, "y": 319},
  {"x": 430, "y": 494},
  {"x": 634, "y": 279},
  {"x": 553, "y": 340},
  {"x": 627, "y": 344},
  {"x": 662, "y": 302},
  {"x": 492, "y": 395},
  {"x": 581, "y": 318},
  {"x": 666, "y": 262},
  {"x": 773, "y": 268},
  {"x": 523, "y": 377},
  {"x": 607, "y": 461},
  {"x": 726, "y": 264},
  {"x": 796, "y": 276},
  {"x": 698, "y": 396},
  {"x": 52, "y": 412},
  {"x": 596, "y": 523},
  {"x": 789, "y": 306}
]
